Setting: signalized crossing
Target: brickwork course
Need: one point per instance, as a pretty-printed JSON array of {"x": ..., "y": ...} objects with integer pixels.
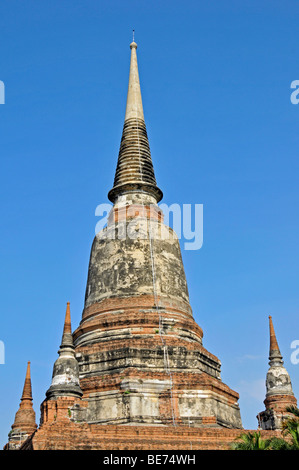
[{"x": 135, "y": 373}]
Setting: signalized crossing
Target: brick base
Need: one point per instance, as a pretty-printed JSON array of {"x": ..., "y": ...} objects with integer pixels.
[{"x": 76, "y": 436}]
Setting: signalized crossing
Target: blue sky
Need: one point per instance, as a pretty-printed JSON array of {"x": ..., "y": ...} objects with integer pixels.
[{"x": 223, "y": 132}]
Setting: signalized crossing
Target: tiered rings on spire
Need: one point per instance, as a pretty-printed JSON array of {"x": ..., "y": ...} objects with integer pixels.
[{"x": 134, "y": 170}]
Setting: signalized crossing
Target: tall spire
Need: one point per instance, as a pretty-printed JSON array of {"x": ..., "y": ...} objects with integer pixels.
[
  {"x": 65, "y": 378},
  {"x": 279, "y": 392},
  {"x": 134, "y": 172},
  {"x": 24, "y": 424},
  {"x": 278, "y": 381}
]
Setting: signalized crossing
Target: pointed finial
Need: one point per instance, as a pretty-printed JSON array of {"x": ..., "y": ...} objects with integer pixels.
[
  {"x": 27, "y": 390},
  {"x": 67, "y": 322},
  {"x": 133, "y": 43},
  {"x": 273, "y": 341},
  {"x": 67, "y": 338}
]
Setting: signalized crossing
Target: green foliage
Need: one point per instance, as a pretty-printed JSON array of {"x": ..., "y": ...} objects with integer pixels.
[
  {"x": 251, "y": 441},
  {"x": 290, "y": 441},
  {"x": 294, "y": 410},
  {"x": 290, "y": 431}
]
